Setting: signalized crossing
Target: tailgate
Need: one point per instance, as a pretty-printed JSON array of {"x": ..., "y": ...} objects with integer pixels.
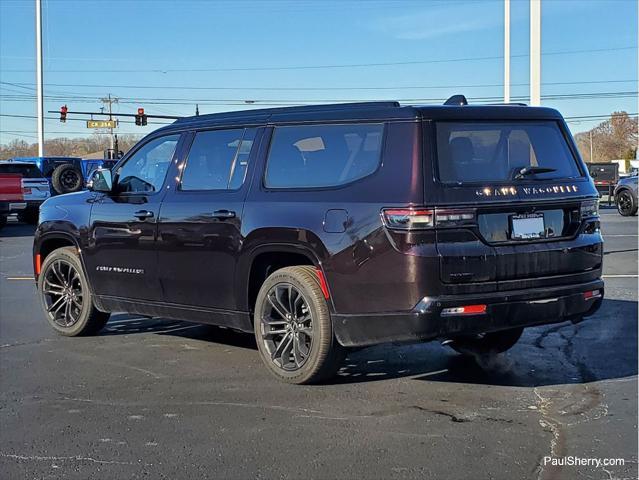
[
  {"x": 533, "y": 241},
  {"x": 11, "y": 187}
]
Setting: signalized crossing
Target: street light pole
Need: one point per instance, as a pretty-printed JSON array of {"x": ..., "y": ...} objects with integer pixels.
[
  {"x": 535, "y": 52},
  {"x": 39, "y": 78},
  {"x": 506, "y": 51}
]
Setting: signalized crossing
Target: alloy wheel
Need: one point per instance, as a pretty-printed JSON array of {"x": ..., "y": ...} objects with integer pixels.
[
  {"x": 624, "y": 202},
  {"x": 287, "y": 327},
  {"x": 69, "y": 179},
  {"x": 63, "y": 293}
]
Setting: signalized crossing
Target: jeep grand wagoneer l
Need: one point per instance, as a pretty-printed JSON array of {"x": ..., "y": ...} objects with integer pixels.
[{"x": 326, "y": 227}]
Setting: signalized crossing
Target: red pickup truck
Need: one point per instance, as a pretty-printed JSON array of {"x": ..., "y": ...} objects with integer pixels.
[{"x": 11, "y": 196}]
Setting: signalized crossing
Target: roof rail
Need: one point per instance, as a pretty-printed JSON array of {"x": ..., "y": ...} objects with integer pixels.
[
  {"x": 508, "y": 104},
  {"x": 456, "y": 100},
  {"x": 299, "y": 109}
]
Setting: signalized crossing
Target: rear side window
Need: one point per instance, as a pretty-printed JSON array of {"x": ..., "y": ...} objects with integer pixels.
[
  {"x": 491, "y": 151},
  {"x": 27, "y": 171},
  {"x": 322, "y": 155},
  {"x": 218, "y": 160}
]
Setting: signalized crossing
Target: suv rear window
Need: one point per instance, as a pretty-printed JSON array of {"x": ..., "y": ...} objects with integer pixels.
[
  {"x": 323, "y": 155},
  {"x": 492, "y": 151},
  {"x": 27, "y": 171}
]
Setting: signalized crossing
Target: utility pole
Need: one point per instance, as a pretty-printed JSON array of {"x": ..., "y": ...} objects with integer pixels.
[
  {"x": 535, "y": 52},
  {"x": 591, "y": 159},
  {"x": 39, "y": 78},
  {"x": 506, "y": 51},
  {"x": 110, "y": 101}
]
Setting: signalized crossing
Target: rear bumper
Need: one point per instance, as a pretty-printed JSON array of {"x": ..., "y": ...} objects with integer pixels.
[
  {"x": 520, "y": 308},
  {"x": 7, "y": 208},
  {"x": 34, "y": 204}
]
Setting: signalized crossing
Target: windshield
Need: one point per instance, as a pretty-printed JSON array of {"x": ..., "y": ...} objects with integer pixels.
[
  {"x": 493, "y": 151},
  {"x": 27, "y": 171}
]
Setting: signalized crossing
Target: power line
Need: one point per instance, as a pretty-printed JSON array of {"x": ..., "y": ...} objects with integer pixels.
[
  {"x": 410, "y": 87},
  {"x": 290, "y": 102},
  {"x": 327, "y": 66}
]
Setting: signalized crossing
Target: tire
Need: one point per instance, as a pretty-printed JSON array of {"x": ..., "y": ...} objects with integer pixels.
[
  {"x": 67, "y": 178},
  {"x": 70, "y": 312},
  {"x": 304, "y": 350},
  {"x": 29, "y": 216},
  {"x": 3, "y": 221},
  {"x": 626, "y": 203},
  {"x": 486, "y": 344}
]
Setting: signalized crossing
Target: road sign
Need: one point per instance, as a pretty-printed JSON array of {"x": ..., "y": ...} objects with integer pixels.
[{"x": 102, "y": 123}]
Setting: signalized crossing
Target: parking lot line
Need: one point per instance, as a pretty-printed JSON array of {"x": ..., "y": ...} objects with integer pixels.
[
  {"x": 20, "y": 278},
  {"x": 620, "y": 276}
]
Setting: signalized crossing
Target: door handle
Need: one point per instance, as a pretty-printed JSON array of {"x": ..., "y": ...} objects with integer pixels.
[
  {"x": 142, "y": 214},
  {"x": 223, "y": 214}
]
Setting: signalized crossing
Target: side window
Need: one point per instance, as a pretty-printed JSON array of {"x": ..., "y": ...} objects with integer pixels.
[
  {"x": 146, "y": 170},
  {"x": 218, "y": 160},
  {"x": 323, "y": 155}
]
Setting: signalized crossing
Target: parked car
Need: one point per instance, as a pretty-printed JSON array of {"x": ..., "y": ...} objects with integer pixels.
[
  {"x": 66, "y": 174},
  {"x": 35, "y": 188},
  {"x": 323, "y": 228},
  {"x": 626, "y": 196},
  {"x": 11, "y": 197}
]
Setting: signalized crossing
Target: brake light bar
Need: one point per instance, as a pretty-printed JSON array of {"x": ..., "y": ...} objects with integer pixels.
[
  {"x": 446, "y": 218},
  {"x": 423, "y": 218},
  {"x": 465, "y": 310}
]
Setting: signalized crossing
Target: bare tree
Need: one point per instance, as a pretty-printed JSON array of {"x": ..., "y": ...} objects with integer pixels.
[{"x": 614, "y": 139}]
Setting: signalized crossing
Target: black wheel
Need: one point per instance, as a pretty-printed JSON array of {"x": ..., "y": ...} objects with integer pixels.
[
  {"x": 3, "y": 221},
  {"x": 29, "y": 216},
  {"x": 65, "y": 296},
  {"x": 293, "y": 327},
  {"x": 486, "y": 343},
  {"x": 626, "y": 203},
  {"x": 66, "y": 179}
]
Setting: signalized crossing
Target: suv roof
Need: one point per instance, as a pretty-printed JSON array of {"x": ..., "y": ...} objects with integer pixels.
[{"x": 366, "y": 111}]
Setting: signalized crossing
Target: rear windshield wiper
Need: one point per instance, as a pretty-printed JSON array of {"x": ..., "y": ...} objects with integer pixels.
[{"x": 531, "y": 170}]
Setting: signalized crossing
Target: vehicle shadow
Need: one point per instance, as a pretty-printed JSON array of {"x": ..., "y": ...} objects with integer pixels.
[
  {"x": 602, "y": 347},
  {"x": 125, "y": 324}
]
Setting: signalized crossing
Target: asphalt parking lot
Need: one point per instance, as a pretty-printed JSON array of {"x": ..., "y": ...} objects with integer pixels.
[{"x": 151, "y": 398}]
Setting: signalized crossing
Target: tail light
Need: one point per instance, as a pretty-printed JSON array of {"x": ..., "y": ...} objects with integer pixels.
[
  {"x": 423, "y": 218},
  {"x": 408, "y": 218},
  {"x": 590, "y": 208}
]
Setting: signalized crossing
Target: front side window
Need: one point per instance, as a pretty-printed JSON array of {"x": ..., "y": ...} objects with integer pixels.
[
  {"x": 146, "y": 170},
  {"x": 495, "y": 151},
  {"x": 322, "y": 155},
  {"x": 218, "y": 160}
]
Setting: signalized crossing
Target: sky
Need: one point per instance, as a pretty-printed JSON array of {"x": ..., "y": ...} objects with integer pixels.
[{"x": 166, "y": 56}]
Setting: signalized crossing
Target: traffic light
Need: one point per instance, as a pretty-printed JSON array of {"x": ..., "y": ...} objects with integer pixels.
[
  {"x": 63, "y": 113},
  {"x": 140, "y": 118}
]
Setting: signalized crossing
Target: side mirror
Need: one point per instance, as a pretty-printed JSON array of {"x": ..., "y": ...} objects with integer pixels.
[{"x": 101, "y": 181}]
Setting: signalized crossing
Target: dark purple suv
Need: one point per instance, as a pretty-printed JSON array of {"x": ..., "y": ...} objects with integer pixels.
[{"x": 328, "y": 227}]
